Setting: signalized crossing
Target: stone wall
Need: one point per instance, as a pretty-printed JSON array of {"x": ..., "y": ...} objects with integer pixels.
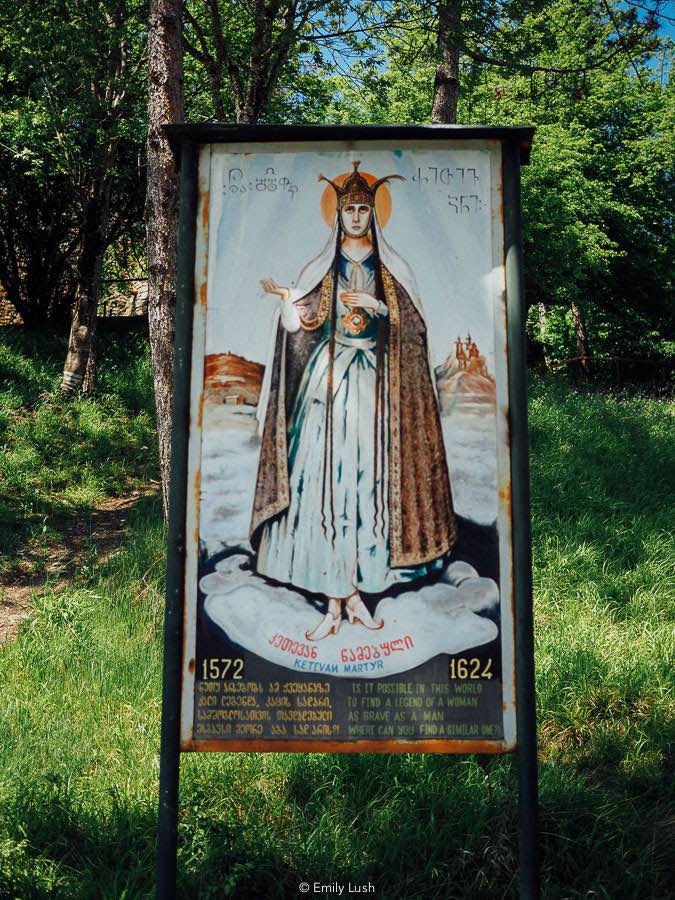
[
  {"x": 128, "y": 299},
  {"x": 8, "y": 315},
  {"x": 131, "y": 300}
]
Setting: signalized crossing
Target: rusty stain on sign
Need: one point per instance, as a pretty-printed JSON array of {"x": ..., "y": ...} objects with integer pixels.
[
  {"x": 309, "y": 746},
  {"x": 205, "y": 209}
]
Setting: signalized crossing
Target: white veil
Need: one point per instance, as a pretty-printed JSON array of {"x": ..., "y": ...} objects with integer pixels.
[
  {"x": 316, "y": 268},
  {"x": 313, "y": 273}
]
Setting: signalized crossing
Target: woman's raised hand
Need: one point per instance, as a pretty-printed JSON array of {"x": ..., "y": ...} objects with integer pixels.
[
  {"x": 270, "y": 286},
  {"x": 361, "y": 299}
]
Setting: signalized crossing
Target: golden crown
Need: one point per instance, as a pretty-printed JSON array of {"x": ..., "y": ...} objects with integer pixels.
[{"x": 355, "y": 188}]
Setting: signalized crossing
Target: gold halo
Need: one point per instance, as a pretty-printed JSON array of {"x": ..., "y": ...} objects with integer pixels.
[{"x": 382, "y": 199}]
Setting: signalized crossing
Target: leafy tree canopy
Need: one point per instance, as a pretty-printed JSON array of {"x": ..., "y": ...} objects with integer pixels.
[
  {"x": 60, "y": 102},
  {"x": 596, "y": 81}
]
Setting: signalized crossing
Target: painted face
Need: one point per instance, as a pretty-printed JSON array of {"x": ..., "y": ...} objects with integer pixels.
[{"x": 356, "y": 218}]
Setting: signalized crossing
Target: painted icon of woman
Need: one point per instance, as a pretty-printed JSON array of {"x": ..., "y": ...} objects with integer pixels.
[{"x": 352, "y": 493}]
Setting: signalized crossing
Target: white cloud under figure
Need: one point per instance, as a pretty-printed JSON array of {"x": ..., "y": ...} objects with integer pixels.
[{"x": 272, "y": 622}]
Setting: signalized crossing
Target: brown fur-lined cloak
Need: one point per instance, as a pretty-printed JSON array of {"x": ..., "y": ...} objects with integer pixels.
[{"x": 421, "y": 518}]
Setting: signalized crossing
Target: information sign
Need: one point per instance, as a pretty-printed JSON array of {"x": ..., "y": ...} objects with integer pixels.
[{"x": 348, "y": 578}]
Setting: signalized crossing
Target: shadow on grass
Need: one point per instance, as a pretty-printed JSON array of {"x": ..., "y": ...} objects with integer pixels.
[
  {"x": 54, "y": 846},
  {"x": 65, "y": 454},
  {"x": 30, "y": 363},
  {"x": 598, "y": 453},
  {"x": 430, "y": 827},
  {"x": 602, "y": 490},
  {"x": 78, "y": 539},
  {"x": 414, "y": 827}
]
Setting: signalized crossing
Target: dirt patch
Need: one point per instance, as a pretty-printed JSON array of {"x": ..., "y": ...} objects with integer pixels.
[
  {"x": 90, "y": 537},
  {"x": 15, "y": 606}
]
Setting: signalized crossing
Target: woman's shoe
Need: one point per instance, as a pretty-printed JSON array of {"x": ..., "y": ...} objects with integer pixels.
[
  {"x": 357, "y": 613},
  {"x": 328, "y": 625}
]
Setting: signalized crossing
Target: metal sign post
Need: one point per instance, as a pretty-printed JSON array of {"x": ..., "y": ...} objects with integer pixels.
[
  {"x": 528, "y": 824},
  {"x": 369, "y": 587}
]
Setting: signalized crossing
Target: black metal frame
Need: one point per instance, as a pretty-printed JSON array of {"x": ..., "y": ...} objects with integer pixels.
[
  {"x": 212, "y": 133},
  {"x": 515, "y": 142}
]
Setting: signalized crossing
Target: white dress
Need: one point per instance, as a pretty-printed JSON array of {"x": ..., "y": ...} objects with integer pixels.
[{"x": 294, "y": 548}]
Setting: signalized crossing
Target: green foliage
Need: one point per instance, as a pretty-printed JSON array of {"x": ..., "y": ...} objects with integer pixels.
[
  {"x": 60, "y": 109},
  {"x": 598, "y": 192},
  {"x": 595, "y": 79},
  {"x": 295, "y": 69},
  {"x": 597, "y": 199},
  {"x": 564, "y": 211},
  {"x": 62, "y": 454}
]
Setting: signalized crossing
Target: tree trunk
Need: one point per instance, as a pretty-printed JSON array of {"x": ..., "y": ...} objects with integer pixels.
[
  {"x": 542, "y": 313},
  {"x": 446, "y": 82},
  {"x": 165, "y": 105},
  {"x": 78, "y": 372},
  {"x": 582, "y": 342},
  {"x": 89, "y": 379}
]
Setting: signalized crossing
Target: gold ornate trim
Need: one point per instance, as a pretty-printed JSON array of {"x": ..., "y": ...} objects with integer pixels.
[
  {"x": 415, "y": 558},
  {"x": 282, "y": 499},
  {"x": 355, "y": 321},
  {"x": 325, "y": 298},
  {"x": 394, "y": 359}
]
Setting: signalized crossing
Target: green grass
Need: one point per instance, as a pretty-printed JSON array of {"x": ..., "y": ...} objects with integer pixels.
[
  {"x": 80, "y": 704},
  {"x": 604, "y": 583},
  {"x": 62, "y": 455}
]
